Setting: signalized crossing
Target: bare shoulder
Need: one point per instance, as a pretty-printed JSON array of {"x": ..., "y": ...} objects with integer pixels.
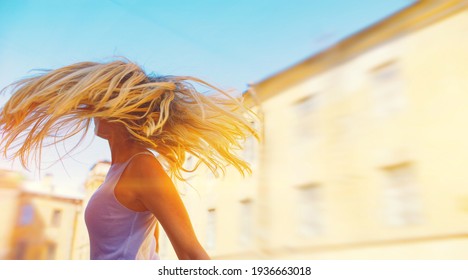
[
  {"x": 148, "y": 174},
  {"x": 145, "y": 165}
]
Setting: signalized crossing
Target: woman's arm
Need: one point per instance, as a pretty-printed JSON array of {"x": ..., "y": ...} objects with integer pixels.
[{"x": 156, "y": 191}]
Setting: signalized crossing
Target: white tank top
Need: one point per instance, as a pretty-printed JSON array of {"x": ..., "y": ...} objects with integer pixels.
[{"x": 116, "y": 232}]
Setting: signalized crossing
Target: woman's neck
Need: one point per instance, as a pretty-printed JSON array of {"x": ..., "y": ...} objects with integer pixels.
[{"x": 123, "y": 149}]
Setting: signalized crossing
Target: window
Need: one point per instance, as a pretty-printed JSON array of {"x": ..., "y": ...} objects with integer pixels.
[
  {"x": 211, "y": 229},
  {"x": 26, "y": 215},
  {"x": 56, "y": 218},
  {"x": 246, "y": 222},
  {"x": 400, "y": 195},
  {"x": 20, "y": 250},
  {"x": 190, "y": 162},
  {"x": 303, "y": 111},
  {"x": 345, "y": 126},
  {"x": 249, "y": 149},
  {"x": 303, "y": 136},
  {"x": 51, "y": 251},
  {"x": 388, "y": 89},
  {"x": 309, "y": 214}
]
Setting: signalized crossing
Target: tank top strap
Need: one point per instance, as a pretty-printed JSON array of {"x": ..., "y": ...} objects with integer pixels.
[
  {"x": 121, "y": 169},
  {"x": 130, "y": 159},
  {"x": 124, "y": 165}
]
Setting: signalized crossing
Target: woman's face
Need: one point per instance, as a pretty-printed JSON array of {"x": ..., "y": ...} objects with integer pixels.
[
  {"x": 101, "y": 128},
  {"x": 105, "y": 129}
]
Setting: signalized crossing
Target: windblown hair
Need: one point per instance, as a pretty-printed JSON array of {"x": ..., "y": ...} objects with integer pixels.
[{"x": 164, "y": 113}]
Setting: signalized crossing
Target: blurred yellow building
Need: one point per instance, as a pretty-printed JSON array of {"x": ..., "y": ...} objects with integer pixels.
[
  {"x": 10, "y": 183},
  {"x": 364, "y": 155},
  {"x": 38, "y": 221}
]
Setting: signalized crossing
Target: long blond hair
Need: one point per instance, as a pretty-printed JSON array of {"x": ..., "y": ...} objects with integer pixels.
[{"x": 165, "y": 113}]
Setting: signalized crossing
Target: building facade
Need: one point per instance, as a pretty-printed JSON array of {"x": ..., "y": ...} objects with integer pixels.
[
  {"x": 38, "y": 221},
  {"x": 10, "y": 190},
  {"x": 363, "y": 143},
  {"x": 364, "y": 151}
]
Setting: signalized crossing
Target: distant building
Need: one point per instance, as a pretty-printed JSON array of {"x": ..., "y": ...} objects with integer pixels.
[
  {"x": 38, "y": 220},
  {"x": 10, "y": 191},
  {"x": 365, "y": 151},
  {"x": 364, "y": 154}
]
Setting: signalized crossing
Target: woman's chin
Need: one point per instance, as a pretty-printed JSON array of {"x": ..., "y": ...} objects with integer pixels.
[{"x": 101, "y": 136}]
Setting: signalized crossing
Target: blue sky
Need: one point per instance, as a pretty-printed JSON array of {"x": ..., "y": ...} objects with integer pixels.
[{"x": 227, "y": 43}]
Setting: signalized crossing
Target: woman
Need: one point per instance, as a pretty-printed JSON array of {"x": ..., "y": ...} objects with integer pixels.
[{"x": 135, "y": 112}]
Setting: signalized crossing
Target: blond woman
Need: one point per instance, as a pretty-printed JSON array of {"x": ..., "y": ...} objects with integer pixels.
[{"x": 136, "y": 113}]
